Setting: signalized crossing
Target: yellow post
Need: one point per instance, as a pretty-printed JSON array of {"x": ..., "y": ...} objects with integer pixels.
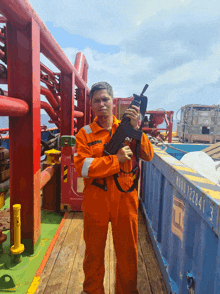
[
  {"x": 17, "y": 248},
  {"x": 52, "y": 156}
]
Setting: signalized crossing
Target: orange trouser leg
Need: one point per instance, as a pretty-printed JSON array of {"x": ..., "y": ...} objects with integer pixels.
[
  {"x": 96, "y": 219},
  {"x": 122, "y": 210},
  {"x": 124, "y": 221}
]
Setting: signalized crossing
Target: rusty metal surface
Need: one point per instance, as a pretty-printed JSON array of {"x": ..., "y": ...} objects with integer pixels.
[
  {"x": 4, "y": 175},
  {"x": 4, "y": 154},
  {"x": 5, "y": 219}
]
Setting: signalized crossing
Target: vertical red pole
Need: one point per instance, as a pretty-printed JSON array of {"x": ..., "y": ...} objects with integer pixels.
[
  {"x": 85, "y": 72},
  {"x": 23, "y": 60},
  {"x": 88, "y": 108},
  {"x": 83, "y": 106},
  {"x": 170, "y": 128},
  {"x": 83, "y": 95},
  {"x": 67, "y": 103}
]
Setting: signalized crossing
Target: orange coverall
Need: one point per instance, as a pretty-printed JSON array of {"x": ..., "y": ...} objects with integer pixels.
[{"x": 99, "y": 207}]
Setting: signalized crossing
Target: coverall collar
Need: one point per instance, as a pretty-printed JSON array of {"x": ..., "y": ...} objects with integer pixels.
[{"x": 96, "y": 128}]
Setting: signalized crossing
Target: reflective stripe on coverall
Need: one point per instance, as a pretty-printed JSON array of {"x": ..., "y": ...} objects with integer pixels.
[{"x": 99, "y": 207}]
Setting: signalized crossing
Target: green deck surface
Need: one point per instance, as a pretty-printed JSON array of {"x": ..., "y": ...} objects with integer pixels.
[{"x": 17, "y": 278}]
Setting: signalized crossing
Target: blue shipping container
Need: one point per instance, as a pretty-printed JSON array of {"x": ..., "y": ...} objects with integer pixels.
[{"x": 182, "y": 212}]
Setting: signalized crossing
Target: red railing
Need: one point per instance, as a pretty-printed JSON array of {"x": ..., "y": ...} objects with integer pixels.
[{"x": 27, "y": 37}]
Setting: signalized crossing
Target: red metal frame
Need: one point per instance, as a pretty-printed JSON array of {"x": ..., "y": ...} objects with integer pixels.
[
  {"x": 168, "y": 117},
  {"x": 25, "y": 37},
  {"x": 23, "y": 50}
]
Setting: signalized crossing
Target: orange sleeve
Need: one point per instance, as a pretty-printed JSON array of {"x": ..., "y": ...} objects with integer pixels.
[
  {"x": 89, "y": 167},
  {"x": 146, "y": 150}
]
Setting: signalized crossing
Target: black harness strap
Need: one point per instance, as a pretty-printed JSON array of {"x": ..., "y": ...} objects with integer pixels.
[
  {"x": 115, "y": 176},
  {"x": 135, "y": 182}
]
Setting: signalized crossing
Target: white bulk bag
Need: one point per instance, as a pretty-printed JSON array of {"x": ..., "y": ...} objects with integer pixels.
[{"x": 203, "y": 164}]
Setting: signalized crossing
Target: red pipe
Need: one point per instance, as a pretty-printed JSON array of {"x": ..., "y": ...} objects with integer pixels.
[
  {"x": 4, "y": 130},
  {"x": 156, "y": 129},
  {"x": 79, "y": 63},
  {"x": 85, "y": 72},
  {"x": 46, "y": 70},
  {"x": 54, "y": 103},
  {"x": 78, "y": 113},
  {"x": 166, "y": 120},
  {"x": 55, "y": 95},
  {"x": 12, "y": 106},
  {"x": 2, "y": 36},
  {"x": 3, "y": 19},
  {"x": 46, "y": 106},
  {"x": 50, "y": 97},
  {"x": 7, "y": 130},
  {"x": 21, "y": 12},
  {"x": 47, "y": 175},
  {"x": 2, "y": 54}
]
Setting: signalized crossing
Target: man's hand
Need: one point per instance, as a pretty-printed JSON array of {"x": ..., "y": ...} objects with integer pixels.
[
  {"x": 124, "y": 154},
  {"x": 133, "y": 114}
]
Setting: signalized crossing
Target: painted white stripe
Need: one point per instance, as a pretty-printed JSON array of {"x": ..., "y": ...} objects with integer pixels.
[
  {"x": 86, "y": 165},
  {"x": 87, "y": 129}
]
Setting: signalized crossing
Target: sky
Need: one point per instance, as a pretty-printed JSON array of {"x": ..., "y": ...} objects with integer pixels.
[{"x": 173, "y": 46}]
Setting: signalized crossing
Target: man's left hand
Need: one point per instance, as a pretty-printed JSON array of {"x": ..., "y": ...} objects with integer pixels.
[{"x": 133, "y": 114}]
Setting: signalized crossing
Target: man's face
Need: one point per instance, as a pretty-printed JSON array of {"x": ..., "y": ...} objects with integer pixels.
[{"x": 102, "y": 103}]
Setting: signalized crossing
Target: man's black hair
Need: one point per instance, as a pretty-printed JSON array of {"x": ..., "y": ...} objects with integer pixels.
[{"x": 101, "y": 86}]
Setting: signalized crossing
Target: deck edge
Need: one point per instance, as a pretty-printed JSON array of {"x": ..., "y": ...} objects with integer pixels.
[{"x": 34, "y": 285}]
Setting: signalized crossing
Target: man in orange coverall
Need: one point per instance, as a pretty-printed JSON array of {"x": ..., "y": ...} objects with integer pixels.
[{"x": 99, "y": 206}]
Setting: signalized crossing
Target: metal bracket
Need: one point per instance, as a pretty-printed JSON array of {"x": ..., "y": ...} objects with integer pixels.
[{"x": 191, "y": 282}]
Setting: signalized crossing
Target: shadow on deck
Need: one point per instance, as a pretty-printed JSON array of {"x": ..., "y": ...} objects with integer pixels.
[{"x": 64, "y": 274}]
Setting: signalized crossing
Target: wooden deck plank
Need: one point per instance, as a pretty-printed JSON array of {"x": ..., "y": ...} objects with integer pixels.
[
  {"x": 215, "y": 156},
  {"x": 53, "y": 256},
  {"x": 77, "y": 274},
  {"x": 143, "y": 284},
  {"x": 152, "y": 267},
  {"x": 64, "y": 274},
  {"x": 211, "y": 147},
  {"x": 59, "y": 278},
  {"x": 212, "y": 151}
]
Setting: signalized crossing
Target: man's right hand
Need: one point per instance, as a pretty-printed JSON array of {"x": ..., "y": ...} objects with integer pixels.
[{"x": 124, "y": 154}]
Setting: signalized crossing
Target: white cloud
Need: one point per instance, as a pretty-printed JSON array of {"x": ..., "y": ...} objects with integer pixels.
[
  {"x": 117, "y": 69},
  {"x": 110, "y": 22},
  {"x": 200, "y": 72},
  {"x": 169, "y": 44}
]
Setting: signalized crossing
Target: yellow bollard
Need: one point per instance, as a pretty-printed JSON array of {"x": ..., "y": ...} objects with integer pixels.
[
  {"x": 52, "y": 156},
  {"x": 17, "y": 248}
]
